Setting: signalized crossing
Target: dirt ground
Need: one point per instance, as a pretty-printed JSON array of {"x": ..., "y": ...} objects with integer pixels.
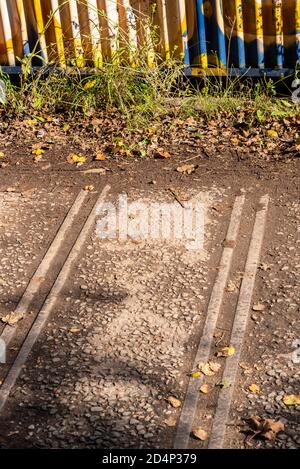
[{"x": 138, "y": 309}]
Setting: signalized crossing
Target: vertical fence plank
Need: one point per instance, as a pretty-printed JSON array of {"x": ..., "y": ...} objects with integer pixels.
[
  {"x": 184, "y": 31},
  {"x": 259, "y": 33},
  {"x": 95, "y": 32},
  {"x": 41, "y": 28},
  {"x": 24, "y": 32},
  {"x": 7, "y": 34},
  {"x": 76, "y": 33},
  {"x": 239, "y": 19},
  {"x": 131, "y": 26},
  {"x": 201, "y": 35},
  {"x": 277, "y": 12},
  {"x": 222, "y": 55},
  {"x": 297, "y": 32},
  {"x": 112, "y": 17},
  {"x": 58, "y": 31}
]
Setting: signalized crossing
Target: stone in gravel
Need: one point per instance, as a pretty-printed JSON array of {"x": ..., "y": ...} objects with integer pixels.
[
  {"x": 96, "y": 409},
  {"x": 258, "y": 307}
]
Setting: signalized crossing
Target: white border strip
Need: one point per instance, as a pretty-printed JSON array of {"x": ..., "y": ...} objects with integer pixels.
[
  {"x": 190, "y": 404},
  {"x": 217, "y": 435}
]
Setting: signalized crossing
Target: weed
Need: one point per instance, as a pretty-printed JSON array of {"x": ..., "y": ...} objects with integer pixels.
[{"x": 135, "y": 82}]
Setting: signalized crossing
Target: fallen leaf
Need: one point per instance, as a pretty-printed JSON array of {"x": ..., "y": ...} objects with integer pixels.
[
  {"x": 38, "y": 151},
  {"x": 254, "y": 388},
  {"x": 231, "y": 287},
  {"x": 186, "y": 169},
  {"x": 30, "y": 122},
  {"x": 226, "y": 351},
  {"x": 161, "y": 153},
  {"x": 214, "y": 366},
  {"x": 210, "y": 368},
  {"x": 76, "y": 159},
  {"x": 258, "y": 307},
  {"x": 205, "y": 388},
  {"x": 196, "y": 374},
  {"x": 2, "y": 155},
  {"x": 89, "y": 188},
  {"x": 28, "y": 192},
  {"x": 297, "y": 144},
  {"x": 206, "y": 369},
  {"x": 171, "y": 421},
  {"x": 200, "y": 434},
  {"x": 100, "y": 156},
  {"x": 247, "y": 369},
  {"x": 174, "y": 402},
  {"x": 291, "y": 399},
  {"x": 272, "y": 133},
  {"x": 12, "y": 318},
  {"x": 90, "y": 84},
  {"x": 267, "y": 428}
]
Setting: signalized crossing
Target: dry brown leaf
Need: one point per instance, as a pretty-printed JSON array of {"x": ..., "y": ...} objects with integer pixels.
[
  {"x": 171, "y": 421},
  {"x": 247, "y": 369},
  {"x": 100, "y": 156},
  {"x": 186, "y": 169},
  {"x": 210, "y": 368},
  {"x": 89, "y": 188},
  {"x": 297, "y": 144},
  {"x": 231, "y": 287},
  {"x": 200, "y": 434},
  {"x": 206, "y": 370},
  {"x": 12, "y": 318},
  {"x": 162, "y": 153},
  {"x": 205, "y": 388},
  {"x": 174, "y": 402},
  {"x": 28, "y": 192},
  {"x": 214, "y": 366},
  {"x": 267, "y": 428}
]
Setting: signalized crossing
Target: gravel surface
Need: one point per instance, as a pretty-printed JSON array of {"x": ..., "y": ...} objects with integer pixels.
[
  {"x": 118, "y": 345},
  {"x": 28, "y": 223}
]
